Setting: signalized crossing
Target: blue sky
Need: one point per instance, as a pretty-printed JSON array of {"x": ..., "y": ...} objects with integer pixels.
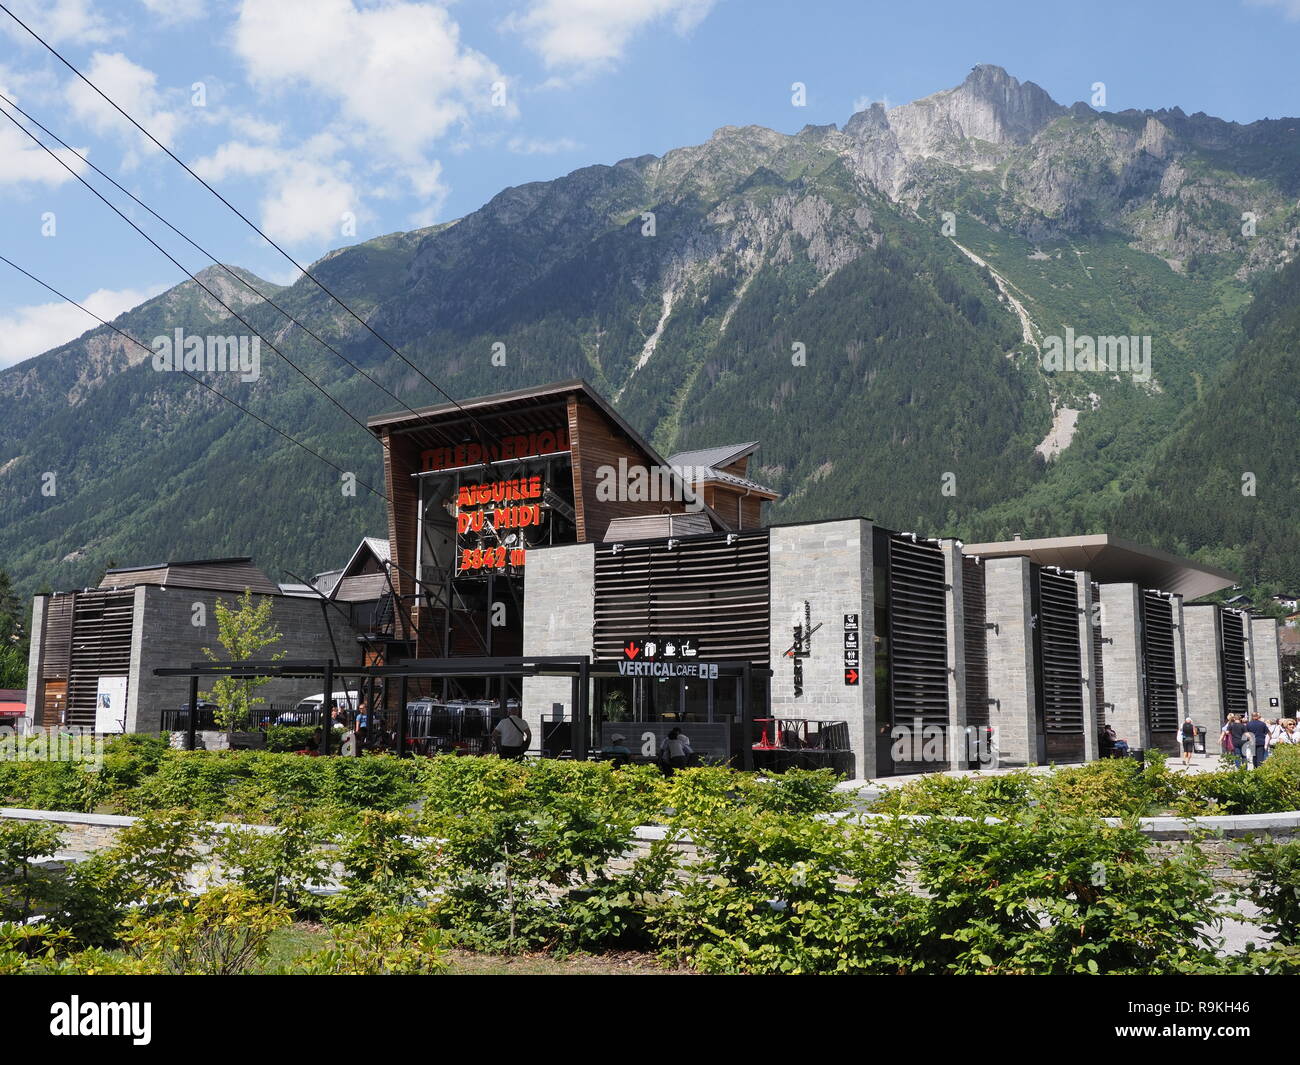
[{"x": 392, "y": 115}]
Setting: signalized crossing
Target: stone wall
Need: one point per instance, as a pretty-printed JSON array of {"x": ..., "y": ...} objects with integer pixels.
[
  {"x": 827, "y": 565},
  {"x": 164, "y": 635},
  {"x": 1013, "y": 707},
  {"x": 559, "y": 619}
]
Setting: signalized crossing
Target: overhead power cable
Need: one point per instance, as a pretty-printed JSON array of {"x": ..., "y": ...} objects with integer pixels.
[
  {"x": 246, "y": 220},
  {"x": 198, "y": 380},
  {"x": 193, "y": 277},
  {"x": 202, "y": 250}
]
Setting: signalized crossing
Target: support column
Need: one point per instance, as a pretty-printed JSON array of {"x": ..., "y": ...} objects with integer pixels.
[
  {"x": 1201, "y": 625},
  {"x": 1180, "y": 655},
  {"x": 1265, "y": 653},
  {"x": 828, "y": 566},
  {"x": 955, "y": 618},
  {"x": 35, "y": 685},
  {"x": 1121, "y": 659},
  {"x": 560, "y": 621},
  {"x": 1088, "y": 637},
  {"x": 1013, "y": 700}
]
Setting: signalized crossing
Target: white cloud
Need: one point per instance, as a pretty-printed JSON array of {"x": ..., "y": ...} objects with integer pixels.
[
  {"x": 308, "y": 190},
  {"x": 399, "y": 73},
  {"x": 588, "y": 35},
  {"x": 134, "y": 89},
  {"x": 28, "y": 331},
  {"x": 60, "y": 22},
  {"x": 537, "y": 146},
  {"x": 1289, "y": 8},
  {"x": 170, "y": 11},
  {"x": 862, "y": 103},
  {"x": 22, "y": 162}
]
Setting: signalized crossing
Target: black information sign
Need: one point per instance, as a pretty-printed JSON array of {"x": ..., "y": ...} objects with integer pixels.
[{"x": 852, "y": 675}]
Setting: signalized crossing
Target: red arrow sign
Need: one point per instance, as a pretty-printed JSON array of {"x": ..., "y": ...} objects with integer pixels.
[
  {"x": 631, "y": 650},
  {"x": 850, "y": 676}
]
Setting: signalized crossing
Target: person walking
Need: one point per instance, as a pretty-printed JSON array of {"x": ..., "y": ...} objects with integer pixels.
[
  {"x": 512, "y": 735},
  {"x": 1258, "y": 732},
  {"x": 677, "y": 750},
  {"x": 1188, "y": 735},
  {"x": 1236, "y": 731}
]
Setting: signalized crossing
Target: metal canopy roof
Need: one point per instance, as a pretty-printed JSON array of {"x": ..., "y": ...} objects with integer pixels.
[{"x": 1111, "y": 560}]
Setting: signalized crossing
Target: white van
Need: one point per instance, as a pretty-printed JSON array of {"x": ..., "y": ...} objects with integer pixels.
[{"x": 306, "y": 711}]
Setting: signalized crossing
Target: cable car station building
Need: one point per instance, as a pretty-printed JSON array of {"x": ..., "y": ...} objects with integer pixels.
[{"x": 538, "y": 524}]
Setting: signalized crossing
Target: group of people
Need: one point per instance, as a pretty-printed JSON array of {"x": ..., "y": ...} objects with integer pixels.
[{"x": 1249, "y": 740}]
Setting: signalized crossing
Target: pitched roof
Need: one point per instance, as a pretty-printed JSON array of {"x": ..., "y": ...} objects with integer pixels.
[
  {"x": 221, "y": 574},
  {"x": 713, "y": 456}
]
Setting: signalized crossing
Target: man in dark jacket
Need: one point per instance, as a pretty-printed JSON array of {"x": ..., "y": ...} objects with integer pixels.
[{"x": 1256, "y": 727}]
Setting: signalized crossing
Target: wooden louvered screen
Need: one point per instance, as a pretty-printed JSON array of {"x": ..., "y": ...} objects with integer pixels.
[
  {"x": 918, "y": 639},
  {"x": 56, "y": 637},
  {"x": 1058, "y": 640},
  {"x": 708, "y": 589},
  {"x": 1233, "y": 648},
  {"x": 1161, "y": 672},
  {"x": 976, "y": 640},
  {"x": 101, "y": 646},
  {"x": 1098, "y": 677}
]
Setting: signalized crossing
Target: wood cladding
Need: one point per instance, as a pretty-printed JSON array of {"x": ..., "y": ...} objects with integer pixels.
[{"x": 595, "y": 443}]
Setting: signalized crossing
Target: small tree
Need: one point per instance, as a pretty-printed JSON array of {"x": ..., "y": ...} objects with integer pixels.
[{"x": 242, "y": 631}]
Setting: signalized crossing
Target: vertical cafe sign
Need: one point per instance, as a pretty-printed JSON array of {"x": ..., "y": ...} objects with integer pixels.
[{"x": 493, "y": 519}]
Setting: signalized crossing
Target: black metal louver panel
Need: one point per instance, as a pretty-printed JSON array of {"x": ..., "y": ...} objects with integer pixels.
[
  {"x": 918, "y": 639},
  {"x": 1058, "y": 642},
  {"x": 1235, "y": 697},
  {"x": 101, "y": 647},
  {"x": 708, "y": 589},
  {"x": 1158, "y": 660},
  {"x": 976, "y": 642},
  {"x": 1098, "y": 676}
]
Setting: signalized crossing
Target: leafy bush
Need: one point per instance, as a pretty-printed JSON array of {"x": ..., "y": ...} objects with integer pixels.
[
  {"x": 1048, "y": 894},
  {"x": 971, "y": 796},
  {"x": 784, "y": 893},
  {"x": 1275, "y": 886},
  {"x": 520, "y": 844},
  {"x": 387, "y": 862},
  {"x": 24, "y": 886},
  {"x": 1112, "y": 787},
  {"x": 281, "y": 738},
  {"x": 223, "y": 932},
  {"x": 390, "y": 942},
  {"x": 279, "y": 866}
]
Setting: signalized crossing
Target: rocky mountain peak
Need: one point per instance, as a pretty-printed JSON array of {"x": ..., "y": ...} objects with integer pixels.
[{"x": 990, "y": 106}]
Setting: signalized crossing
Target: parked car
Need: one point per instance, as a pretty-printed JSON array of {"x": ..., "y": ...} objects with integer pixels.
[{"x": 307, "y": 712}]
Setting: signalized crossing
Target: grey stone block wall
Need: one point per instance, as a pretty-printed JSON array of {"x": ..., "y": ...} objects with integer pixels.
[
  {"x": 829, "y": 565},
  {"x": 1089, "y": 634},
  {"x": 1121, "y": 659},
  {"x": 1178, "y": 615},
  {"x": 559, "y": 619},
  {"x": 1265, "y": 653},
  {"x": 1204, "y": 676},
  {"x": 36, "y": 690},
  {"x": 1013, "y": 709},
  {"x": 164, "y": 635},
  {"x": 956, "y": 633}
]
